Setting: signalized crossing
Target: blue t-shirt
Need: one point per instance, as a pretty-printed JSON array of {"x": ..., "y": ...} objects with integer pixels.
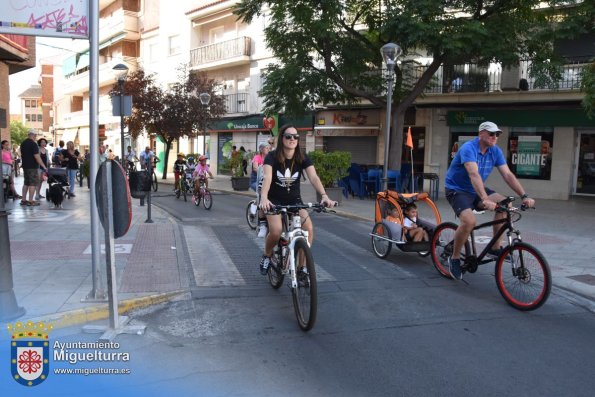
[{"x": 457, "y": 177}]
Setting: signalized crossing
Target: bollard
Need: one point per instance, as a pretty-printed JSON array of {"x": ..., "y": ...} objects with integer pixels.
[{"x": 149, "y": 220}]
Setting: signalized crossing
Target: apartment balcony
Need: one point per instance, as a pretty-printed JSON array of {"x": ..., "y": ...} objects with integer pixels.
[
  {"x": 236, "y": 103},
  {"x": 119, "y": 22},
  {"x": 473, "y": 78},
  {"x": 227, "y": 53},
  {"x": 78, "y": 84}
]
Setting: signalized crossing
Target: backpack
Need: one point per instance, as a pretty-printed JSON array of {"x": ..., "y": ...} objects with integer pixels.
[{"x": 55, "y": 158}]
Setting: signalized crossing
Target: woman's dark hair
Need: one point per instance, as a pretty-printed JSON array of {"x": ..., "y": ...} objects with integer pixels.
[
  {"x": 279, "y": 155},
  {"x": 3, "y": 142},
  {"x": 41, "y": 139}
]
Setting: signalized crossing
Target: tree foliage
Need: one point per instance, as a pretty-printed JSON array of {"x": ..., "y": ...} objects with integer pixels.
[
  {"x": 173, "y": 113},
  {"x": 588, "y": 87},
  {"x": 328, "y": 50},
  {"x": 18, "y": 132}
]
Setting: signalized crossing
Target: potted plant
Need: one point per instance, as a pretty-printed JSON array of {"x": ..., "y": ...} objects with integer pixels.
[
  {"x": 331, "y": 167},
  {"x": 238, "y": 180}
]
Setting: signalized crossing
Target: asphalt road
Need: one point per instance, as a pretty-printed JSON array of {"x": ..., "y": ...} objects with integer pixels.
[{"x": 389, "y": 327}]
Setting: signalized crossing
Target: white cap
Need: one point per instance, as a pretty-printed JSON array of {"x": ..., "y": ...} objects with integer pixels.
[
  {"x": 489, "y": 126},
  {"x": 31, "y": 132}
]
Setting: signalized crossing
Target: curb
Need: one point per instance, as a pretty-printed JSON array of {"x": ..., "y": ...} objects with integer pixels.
[{"x": 100, "y": 312}]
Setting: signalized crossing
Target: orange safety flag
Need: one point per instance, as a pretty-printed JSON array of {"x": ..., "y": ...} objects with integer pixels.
[{"x": 409, "y": 140}]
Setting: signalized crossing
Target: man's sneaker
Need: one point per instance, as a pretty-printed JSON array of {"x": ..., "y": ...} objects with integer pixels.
[
  {"x": 262, "y": 229},
  {"x": 264, "y": 264},
  {"x": 454, "y": 267}
]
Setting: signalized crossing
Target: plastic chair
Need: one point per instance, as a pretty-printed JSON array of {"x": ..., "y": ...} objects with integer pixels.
[
  {"x": 371, "y": 181},
  {"x": 394, "y": 180},
  {"x": 355, "y": 180}
]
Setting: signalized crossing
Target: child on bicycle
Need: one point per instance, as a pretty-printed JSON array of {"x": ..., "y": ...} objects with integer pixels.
[
  {"x": 412, "y": 231},
  {"x": 201, "y": 171},
  {"x": 179, "y": 166}
]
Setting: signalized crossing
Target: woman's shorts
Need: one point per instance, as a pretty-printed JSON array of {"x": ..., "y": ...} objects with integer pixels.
[{"x": 6, "y": 169}]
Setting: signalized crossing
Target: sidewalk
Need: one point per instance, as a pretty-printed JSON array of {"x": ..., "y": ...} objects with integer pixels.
[{"x": 51, "y": 258}]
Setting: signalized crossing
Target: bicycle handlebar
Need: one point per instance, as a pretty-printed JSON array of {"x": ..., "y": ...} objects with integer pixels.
[{"x": 502, "y": 206}]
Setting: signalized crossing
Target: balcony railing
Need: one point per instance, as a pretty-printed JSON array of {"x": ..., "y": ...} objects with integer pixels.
[
  {"x": 236, "y": 103},
  {"x": 475, "y": 78},
  {"x": 237, "y": 47}
]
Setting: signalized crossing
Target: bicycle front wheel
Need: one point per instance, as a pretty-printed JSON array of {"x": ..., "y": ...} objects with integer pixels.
[
  {"x": 251, "y": 218},
  {"x": 196, "y": 197},
  {"x": 184, "y": 190},
  {"x": 523, "y": 276},
  {"x": 178, "y": 190},
  {"x": 305, "y": 297},
  {"x": 207, "y": 199},
  {"x": 154, "y": 181},
  {"x": 442, "y": 247}
]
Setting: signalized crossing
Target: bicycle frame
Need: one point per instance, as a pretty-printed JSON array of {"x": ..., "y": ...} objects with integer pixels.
[
  {"x": 292, "y": 233},
  {"x": 507, "y": 226}
]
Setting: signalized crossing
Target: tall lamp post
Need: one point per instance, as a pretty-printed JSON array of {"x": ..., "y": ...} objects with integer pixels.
[
  {"x": 390, "y": 52},
  {"x": 121, "y": 72},
  {"x": 205, "y": 98}
]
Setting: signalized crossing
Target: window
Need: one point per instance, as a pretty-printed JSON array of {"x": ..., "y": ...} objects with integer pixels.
[
  {"x": 27, "y": 117},
  {"x": 33, "y": 103},
  {"x": 174, "y": 45},
  {"x": 33, "y": 117},
  {"x": 39, "y": 118},
  {"x": 153, "y": 52},
  {"x": 27, "y": 103}
]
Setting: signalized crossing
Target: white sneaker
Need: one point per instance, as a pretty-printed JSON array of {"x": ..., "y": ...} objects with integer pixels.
[{"x": 263, "y": 230}]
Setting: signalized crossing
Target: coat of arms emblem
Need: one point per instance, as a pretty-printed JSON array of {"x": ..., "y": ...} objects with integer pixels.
[{"x": 29, "y": 352}]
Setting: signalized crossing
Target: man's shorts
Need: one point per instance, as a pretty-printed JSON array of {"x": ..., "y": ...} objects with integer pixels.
[
  {"x": 31, "y": 177},
  {"x": 460, "y": 200}
]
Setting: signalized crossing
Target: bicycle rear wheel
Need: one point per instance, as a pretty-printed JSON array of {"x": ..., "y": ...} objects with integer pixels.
[
  {"x": 523, "y": 276},
  {"x": 184, "y": 190},
  {"x": 178, "y": 189},
  {"x": 154, "y": 181},
  {"x": 381, "y": 245},
  {"x": 442, "y": 247},
  {"x": 275, "y": 274},
  {"x": 207, "y": 199},
  {"x": 305, "y": 297},
  {"x": 251, "y": 218}
]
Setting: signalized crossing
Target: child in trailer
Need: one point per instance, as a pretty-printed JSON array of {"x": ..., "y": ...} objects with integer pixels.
[{"x": 412, "y": 231}]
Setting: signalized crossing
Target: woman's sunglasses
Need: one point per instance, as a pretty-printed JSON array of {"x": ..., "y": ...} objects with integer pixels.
[{"x": 292, "y": 137}]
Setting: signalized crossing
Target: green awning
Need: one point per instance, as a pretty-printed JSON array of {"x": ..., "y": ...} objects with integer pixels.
[{"x": 522, "y": 118}]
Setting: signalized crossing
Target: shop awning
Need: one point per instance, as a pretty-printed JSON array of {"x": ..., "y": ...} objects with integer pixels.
[
  {"x": 68, "y": 135},
  {"x": 84, "y": 136}
]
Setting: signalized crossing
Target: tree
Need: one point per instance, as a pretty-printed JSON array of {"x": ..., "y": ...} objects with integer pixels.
[
  {"x": 588, "y": 87},
  {"x": 174, "y": 113},
  {"x": 328, "y": 51},
  {"x": 18, "y": 132}
]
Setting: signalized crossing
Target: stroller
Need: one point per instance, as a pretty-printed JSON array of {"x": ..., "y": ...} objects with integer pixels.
[
  {"x": 58, "y": 186},
  {"x": 385, "y": 232}
]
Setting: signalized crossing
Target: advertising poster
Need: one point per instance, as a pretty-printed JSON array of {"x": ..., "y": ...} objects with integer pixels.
[
  {"x": 458, "y": 139},
  {"x": 530, "y": 153}
]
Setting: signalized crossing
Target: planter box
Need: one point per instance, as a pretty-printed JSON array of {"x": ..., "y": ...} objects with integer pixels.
[{"x": 240, "y": 183}]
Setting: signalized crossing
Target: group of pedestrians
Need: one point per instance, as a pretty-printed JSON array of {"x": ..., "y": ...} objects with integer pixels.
[{"x": 35, "y": 157}]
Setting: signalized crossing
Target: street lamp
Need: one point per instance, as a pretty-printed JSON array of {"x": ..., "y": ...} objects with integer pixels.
[
  {"x": 205, "y": 98},
  {"x": 121, "y": 71},
  {"x": 390, "y": 52}
]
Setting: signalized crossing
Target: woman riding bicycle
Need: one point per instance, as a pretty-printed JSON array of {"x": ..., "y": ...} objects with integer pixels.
[{"x": 283, "y": 169}]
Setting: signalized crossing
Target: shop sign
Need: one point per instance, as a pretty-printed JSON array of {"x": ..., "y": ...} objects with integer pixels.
[{"x": 530, "y": 153}]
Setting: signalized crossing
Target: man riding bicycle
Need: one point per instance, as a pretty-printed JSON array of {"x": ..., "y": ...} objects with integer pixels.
[
  {"x": 465, "y": 189},
  {"x": 283, "y": 169},
  {"x": 147, "y": 159},
  {"x": 130, "y": 156}
]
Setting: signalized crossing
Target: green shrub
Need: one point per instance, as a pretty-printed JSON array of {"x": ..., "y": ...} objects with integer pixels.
[{"x": 330, "y": 166}]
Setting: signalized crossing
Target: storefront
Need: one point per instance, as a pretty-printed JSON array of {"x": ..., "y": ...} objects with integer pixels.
[
  {"x": 551, "y": 152},
  {"x": 354, "y": 131},
  {"x": 249, "y": 132}
]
